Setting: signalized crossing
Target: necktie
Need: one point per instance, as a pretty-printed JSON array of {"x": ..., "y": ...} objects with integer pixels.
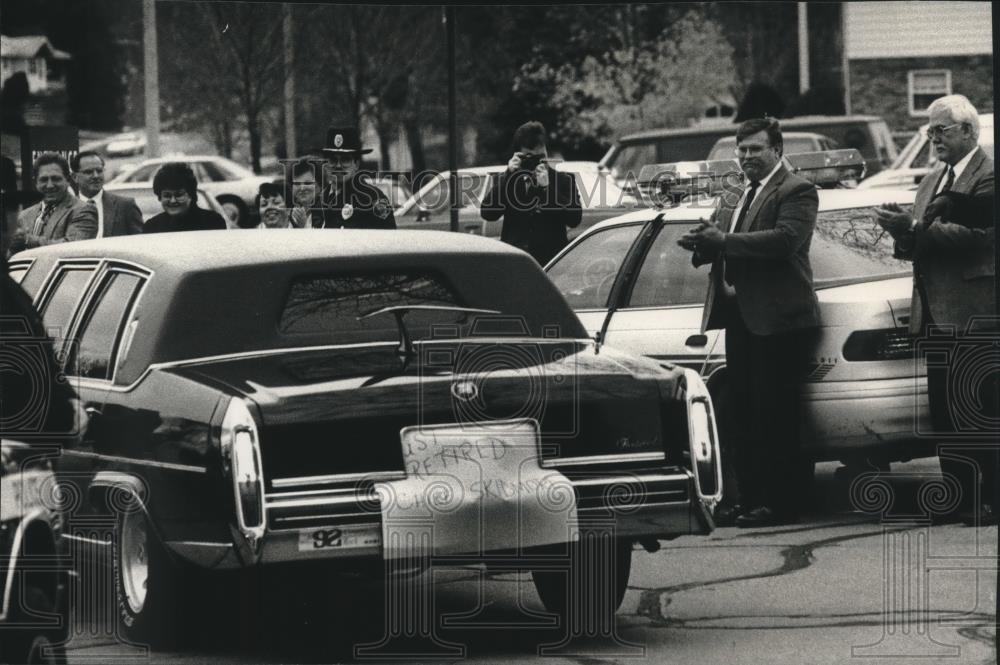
[
  {"x": 949, "y": 179},
  {"x": 47, "y": 209},
  {"x": 754, "y": 184}
]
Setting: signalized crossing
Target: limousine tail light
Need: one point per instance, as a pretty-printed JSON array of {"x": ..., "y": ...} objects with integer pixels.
[
  {"x": 884, "y": 344},
  {"x": 241, "y": 452},
  {"x": 703, "y": 438}
]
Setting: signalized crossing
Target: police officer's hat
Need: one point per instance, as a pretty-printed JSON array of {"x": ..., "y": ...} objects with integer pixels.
[{"x": 344, "y": 140}]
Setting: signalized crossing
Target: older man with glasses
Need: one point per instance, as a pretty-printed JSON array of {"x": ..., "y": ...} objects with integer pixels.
[{"x": 954, "y": 303}]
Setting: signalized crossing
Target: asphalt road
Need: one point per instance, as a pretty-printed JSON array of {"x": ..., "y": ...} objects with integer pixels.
[{"x": 842, "y": 587}]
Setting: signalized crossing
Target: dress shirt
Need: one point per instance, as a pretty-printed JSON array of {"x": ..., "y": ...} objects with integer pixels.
[
  {"x": 99, "y": 202},
  {"x": 746, "y": 190}
]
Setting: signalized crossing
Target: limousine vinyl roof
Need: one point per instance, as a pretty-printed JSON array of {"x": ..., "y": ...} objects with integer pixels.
[{"x": 204, "y": 250}]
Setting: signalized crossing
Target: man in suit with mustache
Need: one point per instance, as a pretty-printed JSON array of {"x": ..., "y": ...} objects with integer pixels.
[
  {"x": 952, "y": 248},
  {"x": 59, "y": 216},
  {"x": 116, "y": 215},
  {"x": 761, "y": 293}
]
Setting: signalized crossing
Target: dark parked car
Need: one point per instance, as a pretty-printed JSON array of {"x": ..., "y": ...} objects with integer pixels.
[
  {"x": 866, "y": 133},
  {"x": 34, "y": 616},
  {"x": 303, "y": 398}
]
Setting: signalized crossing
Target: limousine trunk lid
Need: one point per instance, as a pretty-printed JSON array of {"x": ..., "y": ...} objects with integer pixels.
[{"x": 329, "y": 412}]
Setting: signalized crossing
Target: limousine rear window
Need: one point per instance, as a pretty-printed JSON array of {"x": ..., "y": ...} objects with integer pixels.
[{"x": 332, "y": 304}]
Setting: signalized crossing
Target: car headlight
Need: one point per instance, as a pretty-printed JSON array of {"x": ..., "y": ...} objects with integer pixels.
[{"x": 241, "y": 453}]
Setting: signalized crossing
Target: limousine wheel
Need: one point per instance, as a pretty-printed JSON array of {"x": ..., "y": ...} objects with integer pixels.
[
  {"x": 594, "y": 583},
  {"x": 148, "y": 585}
]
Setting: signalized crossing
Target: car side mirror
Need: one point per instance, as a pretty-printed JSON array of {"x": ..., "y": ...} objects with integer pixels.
[{"x": 423, "y": 215}]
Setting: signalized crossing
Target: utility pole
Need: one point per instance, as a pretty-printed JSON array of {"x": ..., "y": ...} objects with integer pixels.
[
  {"x": 291, "y": 149},
  {"x": 449, "y": 18},
  {"x": 803, "y": 48},
  {"x": 151, "y": 72}
]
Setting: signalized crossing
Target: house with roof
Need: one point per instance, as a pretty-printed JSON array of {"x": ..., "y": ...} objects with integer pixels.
[
  {"x": 42, "y": 63},
  {"x": 901, "y": 56}
]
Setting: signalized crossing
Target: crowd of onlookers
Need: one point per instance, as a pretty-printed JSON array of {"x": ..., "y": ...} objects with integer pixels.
[{"x": 325, "y": 190}]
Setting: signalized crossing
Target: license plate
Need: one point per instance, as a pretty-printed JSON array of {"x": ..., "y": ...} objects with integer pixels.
[{"x": 313, "y": 540}]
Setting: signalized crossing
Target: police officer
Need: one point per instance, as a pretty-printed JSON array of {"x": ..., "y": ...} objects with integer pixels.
[{"x": 350, "y": 200}]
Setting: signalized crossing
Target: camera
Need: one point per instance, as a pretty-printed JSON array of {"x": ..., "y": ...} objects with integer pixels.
[{"x": 530, "y": 161}]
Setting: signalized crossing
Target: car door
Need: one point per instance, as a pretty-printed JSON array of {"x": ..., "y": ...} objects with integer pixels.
[
  {"x": 58, "y": 300},
  {"x": 659, "y": 311},
  {"x": 588, "y": 270}
]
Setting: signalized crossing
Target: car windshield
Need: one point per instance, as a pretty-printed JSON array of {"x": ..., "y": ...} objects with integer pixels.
[{"x": 849, "y": 244}]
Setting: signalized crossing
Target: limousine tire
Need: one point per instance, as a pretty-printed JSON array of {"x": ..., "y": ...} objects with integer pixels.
[
  {"x": 594, "y": 583},
  {"x": 149, "y": 586}
]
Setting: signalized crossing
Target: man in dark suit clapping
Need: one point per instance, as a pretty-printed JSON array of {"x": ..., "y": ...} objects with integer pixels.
[
  {"x": 116, "y": 215},
  {"x": 761, "y": 293}
]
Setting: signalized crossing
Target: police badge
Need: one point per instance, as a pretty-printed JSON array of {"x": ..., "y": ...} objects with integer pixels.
[
  {"x": 381, "y": 209},
  {"x": 338, "y": 140},
  {"x": 346, "y": 211}
]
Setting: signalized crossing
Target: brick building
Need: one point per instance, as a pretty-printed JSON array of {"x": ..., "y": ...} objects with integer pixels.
[{"x": 903, "y": 55}]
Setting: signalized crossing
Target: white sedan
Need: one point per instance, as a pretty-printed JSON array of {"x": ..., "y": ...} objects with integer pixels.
[
  {"x": 235, "y": 186},
  {"x": 429, "y": 208},
  {"x": 635, "y": 289}
]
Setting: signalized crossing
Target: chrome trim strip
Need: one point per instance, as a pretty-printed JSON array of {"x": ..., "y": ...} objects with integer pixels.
[
  {"x": 331, "y": 516},
  {"x": 331, "y": 479},
  {"x": 92, "y": 541},
  {"x": 197, "y": 543},
  {"x": 603, "y": 459},
  {"x": 318, "y": 501},
  {"x": 608, "y": 480},
  {"x": 332, "y": 492},
  {"x": 139, "y": 462},
  {"x": 263, "y": 353}
]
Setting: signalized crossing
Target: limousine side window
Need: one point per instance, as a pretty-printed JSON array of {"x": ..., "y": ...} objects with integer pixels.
[
  {"x": 101, "y": 331},
  {"x": 57, "y": 310},
  {"x": 17, "y": 272}
]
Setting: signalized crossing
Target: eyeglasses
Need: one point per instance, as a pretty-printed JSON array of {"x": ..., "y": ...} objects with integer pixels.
[
  {"x": 752, "y": 150},
  {"x": 938, "y": 130},
  {"x": 96, "y": 171},
  {"x": 175, "y": 196}
]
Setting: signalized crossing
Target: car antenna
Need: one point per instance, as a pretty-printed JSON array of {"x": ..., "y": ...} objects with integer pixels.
[{"x": 405, "y": 350}]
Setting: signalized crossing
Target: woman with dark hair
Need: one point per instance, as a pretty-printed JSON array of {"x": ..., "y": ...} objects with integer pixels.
[{"x": 177, "y": 189}]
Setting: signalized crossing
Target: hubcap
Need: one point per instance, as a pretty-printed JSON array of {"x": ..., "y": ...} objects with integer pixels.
[{"x": 134, "y": 561}]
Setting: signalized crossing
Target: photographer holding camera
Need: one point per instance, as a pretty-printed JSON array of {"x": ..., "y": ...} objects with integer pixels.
[{"x": 537, "y": 203}]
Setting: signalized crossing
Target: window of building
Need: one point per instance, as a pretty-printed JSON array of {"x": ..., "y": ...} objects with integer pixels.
[{"x": 926, "y": 85}]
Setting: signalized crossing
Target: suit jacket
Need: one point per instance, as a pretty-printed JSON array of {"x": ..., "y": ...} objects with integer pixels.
[
  {"x": 535, "y": 219},
  {"x": 768, "y": 263},
  {"x": 953, "y": 264},
  {"x": 121, "y": 215},
  {"x": 72, "y": 219},
  {"x": 359, "y": 205}
]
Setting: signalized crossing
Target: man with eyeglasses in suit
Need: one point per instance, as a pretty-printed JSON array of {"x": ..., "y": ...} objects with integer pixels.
[
  {"x": 760, "y": 292},
  {"x": 954, "y": 285}
]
